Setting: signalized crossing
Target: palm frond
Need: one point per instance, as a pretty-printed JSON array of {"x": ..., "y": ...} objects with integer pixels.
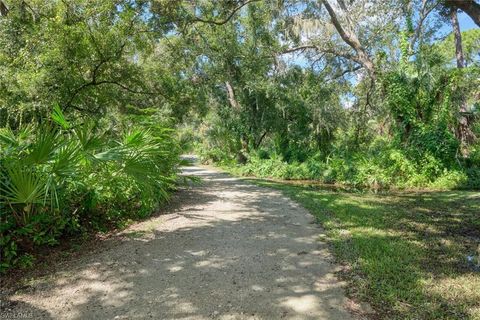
[
  {"x": 23, "y": 186},
  {"x": 8, "y": 138},
  {"x": 59, "y": 118},
  {"x": 43, "y": 146},
  {"x": 66, "y": 160},
  {"x": 89, "y": 139}
]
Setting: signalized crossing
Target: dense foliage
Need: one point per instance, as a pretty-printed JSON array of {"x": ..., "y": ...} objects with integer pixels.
[
  {"x": 95, "y": 94},
  {"x": 409, "y": 122},
  {"x": 85, "y": 142},
  {"x": 77, "y": 177}
]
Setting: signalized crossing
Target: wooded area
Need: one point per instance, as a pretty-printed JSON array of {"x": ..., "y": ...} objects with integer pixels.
[{"x": 99, "y": 98}]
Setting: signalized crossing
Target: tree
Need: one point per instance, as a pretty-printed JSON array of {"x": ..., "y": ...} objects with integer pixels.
[{"x": 79, "y": 54}]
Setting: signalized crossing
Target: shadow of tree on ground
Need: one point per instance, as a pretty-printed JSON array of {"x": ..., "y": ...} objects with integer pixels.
[{"x": 230, "y": 250}]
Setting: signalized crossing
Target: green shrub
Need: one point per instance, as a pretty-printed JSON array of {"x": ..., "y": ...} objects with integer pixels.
[
  {"x": 382, "y": 166},
  {"x": 450, "y": 179},
  {"x": 263, "y": 154},
  {"x": 473, "y": 178},
  {"x": 64, "y": 178},
  {"x": 214, "y": 154}
]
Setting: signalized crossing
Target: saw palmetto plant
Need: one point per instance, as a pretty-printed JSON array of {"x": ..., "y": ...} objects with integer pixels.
[{"x": 60, "y": 175}]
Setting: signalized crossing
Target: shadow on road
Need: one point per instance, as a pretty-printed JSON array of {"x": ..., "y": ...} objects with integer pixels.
[{"x": 230, "y": 250}]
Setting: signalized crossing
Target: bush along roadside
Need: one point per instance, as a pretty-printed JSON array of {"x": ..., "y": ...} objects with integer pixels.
[
  {"x": 386, "y": 168},
  {"x": 63, "y": 178}
]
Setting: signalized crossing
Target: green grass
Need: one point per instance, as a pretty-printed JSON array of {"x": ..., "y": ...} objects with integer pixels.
[{"x": 404, "y": 253}]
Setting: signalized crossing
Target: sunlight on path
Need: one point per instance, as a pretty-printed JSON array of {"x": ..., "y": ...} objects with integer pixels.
[{"x": 230, "y": 250}]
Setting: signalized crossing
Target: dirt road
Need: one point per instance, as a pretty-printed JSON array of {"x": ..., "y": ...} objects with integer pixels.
[{"x": 229, "y": 250}]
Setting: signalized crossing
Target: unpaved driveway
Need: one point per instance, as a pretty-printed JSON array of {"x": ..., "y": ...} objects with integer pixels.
[{"x": 230, "y": 250}]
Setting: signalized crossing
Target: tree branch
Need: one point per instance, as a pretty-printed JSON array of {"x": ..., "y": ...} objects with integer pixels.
[
  {"x": 351, "y": 39},
  {"x": 423, "y": 15},
  {"x": 470, "y": 7},
  {"x": 228, "y": 18},
  {"x": 345, "y": 55},
  {"x": 259, "y": 142},
  {"x": 300, "y": 48},
  {"x": 337, "y": 76}
]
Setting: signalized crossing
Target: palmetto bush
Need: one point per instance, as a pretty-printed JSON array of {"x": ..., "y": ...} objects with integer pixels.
[{"x": 61, "y": 177}]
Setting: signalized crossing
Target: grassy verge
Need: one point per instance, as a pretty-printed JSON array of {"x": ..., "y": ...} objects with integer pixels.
[{"x": 404, "y": 253}]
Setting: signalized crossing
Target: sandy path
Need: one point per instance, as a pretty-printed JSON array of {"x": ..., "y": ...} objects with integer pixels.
[{"x": 231, "y": 250}]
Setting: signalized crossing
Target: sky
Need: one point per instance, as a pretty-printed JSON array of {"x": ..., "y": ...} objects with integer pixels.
[{"x": 466, "y": 23}]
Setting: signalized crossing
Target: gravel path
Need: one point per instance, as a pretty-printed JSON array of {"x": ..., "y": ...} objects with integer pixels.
[{"x": 229, "y": 250}]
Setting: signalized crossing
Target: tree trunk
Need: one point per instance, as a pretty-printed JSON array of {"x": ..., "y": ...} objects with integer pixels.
[
  {"x": 458, "y": 39},
  {"x": 231, "y": 96},
  {"x": 241, "y": 155},
  {"x": 464, "y": 134},
  {"x": 3, "y": 9}
]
